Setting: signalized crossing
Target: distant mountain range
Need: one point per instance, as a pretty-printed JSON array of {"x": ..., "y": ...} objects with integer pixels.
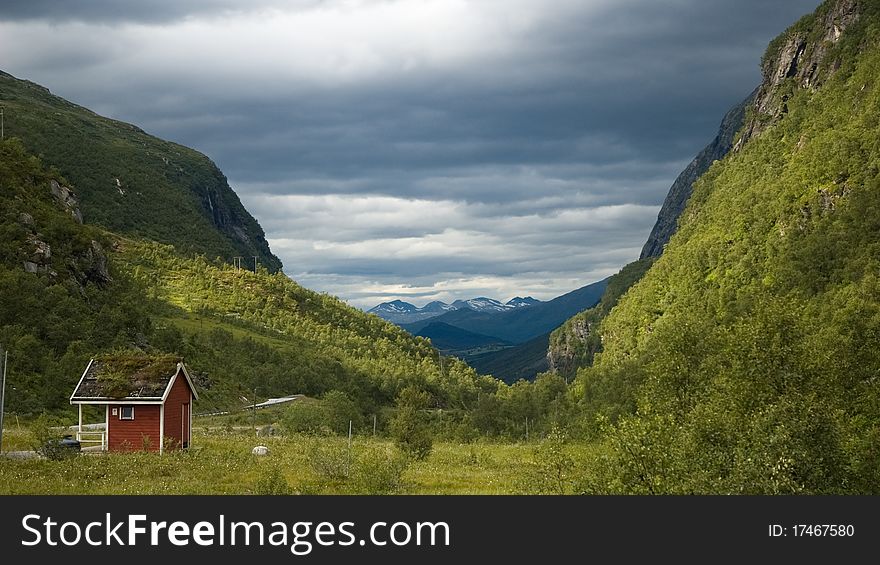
[
  {"x": 508, "y": 340},
  {"x": 518, "y": 325},
  {"x": 401, "y": 312}
]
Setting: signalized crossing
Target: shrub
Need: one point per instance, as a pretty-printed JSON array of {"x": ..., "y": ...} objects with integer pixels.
[
  {"x": 410, "y": 427},
  {"x": 271, "y": 481},
  {"x": 553, "y": 468},
  {"x": 379, "y": 470},
  {"x": 330, "y": 459},
  {"x": 45, "y": 439}
]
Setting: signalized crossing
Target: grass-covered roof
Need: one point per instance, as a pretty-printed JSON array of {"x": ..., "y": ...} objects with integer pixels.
[{"x": 127, "y": 375}]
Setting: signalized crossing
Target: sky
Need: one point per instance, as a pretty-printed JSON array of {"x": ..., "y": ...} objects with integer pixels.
[{"x": 419, "y": 149}]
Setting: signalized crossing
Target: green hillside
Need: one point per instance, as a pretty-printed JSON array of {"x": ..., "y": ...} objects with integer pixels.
[
  {"x": 61, "y": 300},
  {"x": 746, "y": 359},
  {"x": 574, "y": 343},
  {"x": 69, "y": 291},
  {"x": 133, "y": 183},
  {"x": 263, "y": 330}
]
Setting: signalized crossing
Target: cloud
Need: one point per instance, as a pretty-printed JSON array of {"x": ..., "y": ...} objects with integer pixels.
[
  {"x": 419, "y": 148},
  {"x": 422, "y": 249}
]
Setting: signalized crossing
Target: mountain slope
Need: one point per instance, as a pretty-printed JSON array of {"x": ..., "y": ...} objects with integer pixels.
[
  {"x": 523, "y": 361},
  {"x": 60, "y": 297},
  {"x": 448, "y": 338},
  {"x": 264, "y": 330},
  {"x": 400, "y": 312},
  {"x": 480, "y": 304},
  {"x": 745, "y": 360},
  {"x": 677, "y": 197},
  {"x": 132, "y": 183},
  {"x": 520, "y": 302},
  {"x": 70, "y": 290},
  {"x": 521, "y": 324},
  {"x": 574, "y": 343}
]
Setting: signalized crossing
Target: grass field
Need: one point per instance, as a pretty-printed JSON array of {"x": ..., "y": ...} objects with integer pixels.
[{"x": 221, "y": 463}]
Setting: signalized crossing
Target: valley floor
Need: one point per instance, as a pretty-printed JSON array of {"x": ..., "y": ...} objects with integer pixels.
[{"x": 221, "y": 462}]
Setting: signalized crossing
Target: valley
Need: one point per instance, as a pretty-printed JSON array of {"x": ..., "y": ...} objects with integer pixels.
[{"x": 737, "y": 355}]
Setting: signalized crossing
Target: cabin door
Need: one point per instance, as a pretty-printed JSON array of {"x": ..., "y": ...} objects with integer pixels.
[{"x": 184, "y": 425}]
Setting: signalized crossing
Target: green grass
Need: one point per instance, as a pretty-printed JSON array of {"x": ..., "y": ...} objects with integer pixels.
[
  {"x": 16, "y": 438},
  {"x": 221, "y": 463},
  {"x": 195, "y": 323}
]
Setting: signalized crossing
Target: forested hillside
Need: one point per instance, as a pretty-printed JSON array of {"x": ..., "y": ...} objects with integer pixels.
[
  {"x": 61, "y": 299},
  {"x": 574, "y": 343},
  {"x": 130, "y": 182},
  {"x": 746, "y": 359},
  {"x": 69, "y": 291}
]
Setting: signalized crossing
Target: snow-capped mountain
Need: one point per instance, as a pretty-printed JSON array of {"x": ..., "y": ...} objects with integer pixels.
[
  {"x": 437, "y": 306},
  {"x": 400, "y": 312},
  {"x": 395, "y": 306},
  {"x": 481, "y": 304},
  {"x": 519, "y": 302}
]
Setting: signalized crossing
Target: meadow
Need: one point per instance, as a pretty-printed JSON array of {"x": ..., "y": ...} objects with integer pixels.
[{"x": 221, "y": 462}]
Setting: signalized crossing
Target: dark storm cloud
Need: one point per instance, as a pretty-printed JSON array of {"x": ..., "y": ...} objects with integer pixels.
[
  {"x": 512, "y": 143},
  {"x": 116, "y": 11}
]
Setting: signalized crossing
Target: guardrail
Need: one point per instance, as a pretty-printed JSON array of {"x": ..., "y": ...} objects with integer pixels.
[{"x": 92, "y": 437}]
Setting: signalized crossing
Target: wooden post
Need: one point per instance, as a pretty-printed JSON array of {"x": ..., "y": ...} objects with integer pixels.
[
  {"x": 254, "y": 419},
  {"x": 3, "y": 396},
  {"x": 348, "y": 458}
]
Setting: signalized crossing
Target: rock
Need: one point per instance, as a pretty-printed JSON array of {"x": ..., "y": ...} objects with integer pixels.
[
  {"x": 801, "y": 61},
  {"x": 42, "y": 251},
  {"x": 67, "y": 199},
  {"x": 568, "y": 351},
  {"x": 97, "y": 261},
  {"x": 260, "y": 450},
  {"x": 38, "y": 262},
  {"x": 796, "y": 59},
  {"x": 26, "y": 219},
  {"x": 90, "y": 266},
  {"x": 240, "y": 234},
  {"x": 267, "y": 431}
]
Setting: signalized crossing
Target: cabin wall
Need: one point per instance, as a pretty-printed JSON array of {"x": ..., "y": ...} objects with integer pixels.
[
  {"x": 139, "y": 434},
  {"x": 177, "y": 419}
]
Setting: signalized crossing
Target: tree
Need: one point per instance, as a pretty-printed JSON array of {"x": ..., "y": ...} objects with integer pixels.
[{"x": 409, "y": 427}]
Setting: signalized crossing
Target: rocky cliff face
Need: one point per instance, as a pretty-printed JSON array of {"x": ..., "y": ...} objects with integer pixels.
[
  {"x": 797, "y": 59},
  {"x": 132, "y": 183},
  {"x": 676, "y": 199},
  {"x": 568, "y": 350},
  {"x": 88, "y": 265}
]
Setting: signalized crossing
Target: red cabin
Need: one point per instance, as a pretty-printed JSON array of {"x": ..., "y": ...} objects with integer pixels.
[{"x": 147, "y": 402}]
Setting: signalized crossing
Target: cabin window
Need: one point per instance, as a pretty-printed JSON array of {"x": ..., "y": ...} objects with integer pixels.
[{"x": 126, "y": 413}]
